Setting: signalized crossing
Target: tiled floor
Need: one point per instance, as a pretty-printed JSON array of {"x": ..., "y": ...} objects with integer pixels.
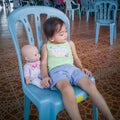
[{"x": 102, "y": 59}]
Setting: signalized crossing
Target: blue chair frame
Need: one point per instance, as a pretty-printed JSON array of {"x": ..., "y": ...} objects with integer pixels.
[
  {"x": 90, "y": 9},
  {"x": 105, "y": 15},
  {"x": 48, "y": 102},
  {"x": 84, "y": 6}
]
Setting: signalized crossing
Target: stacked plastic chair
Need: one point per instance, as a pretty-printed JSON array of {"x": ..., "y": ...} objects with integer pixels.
[{"x": 48, "y": 102}]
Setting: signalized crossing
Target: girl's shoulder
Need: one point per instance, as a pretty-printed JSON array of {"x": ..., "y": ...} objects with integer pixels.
[
  {"x": 44, "y": 45},
  {"x": 70, "y": 42}
]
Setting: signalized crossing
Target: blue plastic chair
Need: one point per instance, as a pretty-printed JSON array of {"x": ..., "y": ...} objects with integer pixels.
[
  {"x": 105, "y": 15},
  {"x": 84, "y": 6},
  {"x": 48, "y": 102}
]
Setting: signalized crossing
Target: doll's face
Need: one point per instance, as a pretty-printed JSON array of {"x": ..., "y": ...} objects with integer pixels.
[{"x": 30, "y": 53}]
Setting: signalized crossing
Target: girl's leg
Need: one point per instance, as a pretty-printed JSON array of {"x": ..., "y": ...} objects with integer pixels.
[
  {"x": 69, "y": 99},
  {"x": 88, "y": 86}
]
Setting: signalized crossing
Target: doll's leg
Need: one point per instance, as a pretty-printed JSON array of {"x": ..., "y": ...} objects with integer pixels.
[
  {"x": 95, "y": 96},
  {"x": 69, "y": 99}
]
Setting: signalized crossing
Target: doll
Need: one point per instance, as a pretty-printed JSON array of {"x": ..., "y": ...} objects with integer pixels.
[{"x": 32, "y": 72}]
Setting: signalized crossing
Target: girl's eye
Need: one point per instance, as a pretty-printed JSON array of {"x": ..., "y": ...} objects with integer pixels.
[
  {"x": 61, "y": 34},
  {"x": 35, "y": 54}
]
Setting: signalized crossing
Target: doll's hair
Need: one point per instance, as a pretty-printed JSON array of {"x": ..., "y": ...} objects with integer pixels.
[
  {"x": 27, "y": 49},
  {"x": 51, "y": 26}
]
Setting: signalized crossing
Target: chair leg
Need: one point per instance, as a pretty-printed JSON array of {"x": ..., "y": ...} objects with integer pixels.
[
  {"x": 97, "y": 32},
  {"x": 72, "y": 15},
  {"x": 111, "y": 33},
  {"x": 66, "y": 12},
  {"x": 95, "y": 112},
  {"x": 26, "y": 108},
  {"x": 87, "y": 16},
  {"x": 79, "y": 12},
  {"x": 115, "y": 33},
  {"x": 47, "y": 112}
]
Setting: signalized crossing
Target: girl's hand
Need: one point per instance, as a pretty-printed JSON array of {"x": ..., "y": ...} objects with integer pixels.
[
  {"x": 86, "y": 71},
  {"x": 45, "y": 82}
]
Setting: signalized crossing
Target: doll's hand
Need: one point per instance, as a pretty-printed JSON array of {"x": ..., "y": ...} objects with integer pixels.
[
  {"x": 45, "y": 82},
  {"x": 28, "y": 80},
  {"x": 86, "y": 71}
]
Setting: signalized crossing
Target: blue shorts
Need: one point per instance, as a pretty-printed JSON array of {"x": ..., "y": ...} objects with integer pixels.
[{"x": 66, "y": 72}]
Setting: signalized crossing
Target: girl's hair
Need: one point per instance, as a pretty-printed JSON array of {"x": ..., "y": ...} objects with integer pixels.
[{"x": 51, "y": 26}]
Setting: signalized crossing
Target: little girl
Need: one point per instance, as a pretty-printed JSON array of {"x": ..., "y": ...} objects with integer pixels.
[{"x": 61, "y": 62}]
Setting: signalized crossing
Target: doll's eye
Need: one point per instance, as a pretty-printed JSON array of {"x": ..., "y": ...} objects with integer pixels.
[{"x": 35, "y": 54}]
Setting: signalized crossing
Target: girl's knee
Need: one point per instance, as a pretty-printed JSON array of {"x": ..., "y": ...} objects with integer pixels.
[
  {"x": 87, "y": 85},
  {"x": 65, "y": 87},
  {"x": 92, "y": 86}
]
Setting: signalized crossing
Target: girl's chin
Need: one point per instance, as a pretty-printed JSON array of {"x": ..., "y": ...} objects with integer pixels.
[{"x": 61, "y": 41}]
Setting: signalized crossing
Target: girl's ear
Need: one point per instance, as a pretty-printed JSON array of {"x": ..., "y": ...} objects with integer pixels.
[{"x": 51, "y": 39}]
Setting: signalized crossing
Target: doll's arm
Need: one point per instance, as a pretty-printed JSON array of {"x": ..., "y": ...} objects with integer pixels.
[
  {"x": 28, "y": 80},
  {"x": 27, "y": 74}
]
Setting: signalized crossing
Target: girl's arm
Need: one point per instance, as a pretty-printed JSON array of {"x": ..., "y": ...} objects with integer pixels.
[
  {"x": 46, "y": 81},
  {"x": 76, "y": 59},
  {"x": 44, "y": 69}
]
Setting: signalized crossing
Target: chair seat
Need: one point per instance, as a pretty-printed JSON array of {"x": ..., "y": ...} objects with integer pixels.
[
  {"x": 51, "y": 99},
  {"x": 52, "y": 96},
  {"x": 105, "y": 22}
]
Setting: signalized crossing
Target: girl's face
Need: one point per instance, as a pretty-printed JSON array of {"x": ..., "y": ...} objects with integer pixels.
[{"x": 60, "y": 36}]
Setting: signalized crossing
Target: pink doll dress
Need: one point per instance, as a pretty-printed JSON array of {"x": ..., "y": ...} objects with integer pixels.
[{"x": 33, "y": 71}]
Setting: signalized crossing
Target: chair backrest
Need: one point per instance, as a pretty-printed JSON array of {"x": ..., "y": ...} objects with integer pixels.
[
  {"x": 91, "y": 4},
  {"x": 105, "y": 10},
  {"x": 48, "y": 3},
  {"x": 31, "y": 19},
  {"x": 84, "y": 4},
  {"x": 68, "y": 4}
]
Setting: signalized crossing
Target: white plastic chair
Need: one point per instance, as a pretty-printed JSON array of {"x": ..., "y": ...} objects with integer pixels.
[{"x": 71, "y": 7}]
